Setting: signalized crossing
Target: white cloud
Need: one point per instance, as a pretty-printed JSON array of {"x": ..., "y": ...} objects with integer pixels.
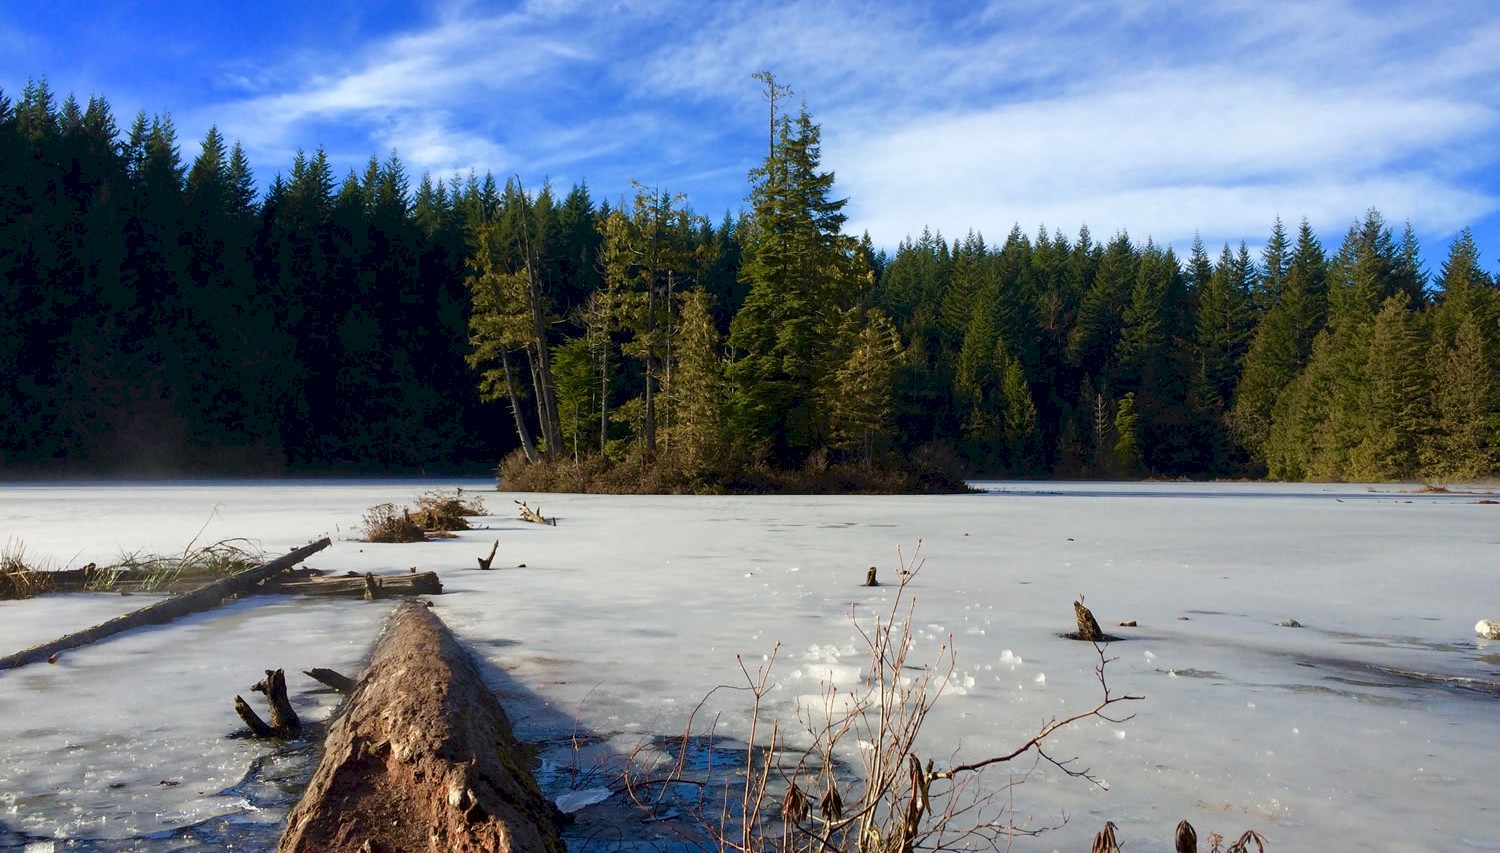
[{"x": 1163, "y": 118}]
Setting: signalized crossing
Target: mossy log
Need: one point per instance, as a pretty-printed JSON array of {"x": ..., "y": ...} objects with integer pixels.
[
  {"x": 203, "y": 598},
  {"x": 421, "y": 758}
]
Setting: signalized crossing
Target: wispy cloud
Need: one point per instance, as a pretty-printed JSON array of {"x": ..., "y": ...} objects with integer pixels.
[{"x": 1161, "y": 118}]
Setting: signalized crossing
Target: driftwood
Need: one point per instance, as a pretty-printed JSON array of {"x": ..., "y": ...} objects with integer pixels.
[
  {"x": 284, "y": 722},
  {"x": 338, "y": 681},
  {"x": 422, "y": 758},
  {"x": 534, "y": 515},
  {"x": 486, "y": 562},
  {"x": 202, "y": 598},
  {"x": 355, "y": 585}
]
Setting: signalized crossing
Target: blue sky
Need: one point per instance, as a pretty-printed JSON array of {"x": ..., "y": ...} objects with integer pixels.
[{"x": 1160, "y": 117}]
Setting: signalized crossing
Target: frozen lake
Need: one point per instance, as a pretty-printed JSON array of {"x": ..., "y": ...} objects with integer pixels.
[{"x": 1373, "y": 725}]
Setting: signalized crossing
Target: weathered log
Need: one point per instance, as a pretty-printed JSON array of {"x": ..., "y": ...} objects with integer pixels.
[
  {"x": 422, "y": 758},
  {"x": 486, "y": 562},
  {"x": 338, "y": 681},
  {"x": 203, "y": 598},
  {"x": 390, "y": 586},
  {"x": 534, "y": 515}
]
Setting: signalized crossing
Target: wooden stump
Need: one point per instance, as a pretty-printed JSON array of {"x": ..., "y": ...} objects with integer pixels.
[
  {"x": 486, "y": 562},
  {"x": 421, "y": 759},
  {"x": 870, "y": 577},
  {"x": 1088, "y": 627},
  {"x": 284, "y": 722},
  {"x": 1186, "y": 840}
]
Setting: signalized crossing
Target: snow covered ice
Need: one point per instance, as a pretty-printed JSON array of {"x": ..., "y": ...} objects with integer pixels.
[{"x": 1373, "y": 724}]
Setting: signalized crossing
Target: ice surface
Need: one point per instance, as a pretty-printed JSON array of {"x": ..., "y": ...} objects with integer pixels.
[{"x": 1373, "y": 725}]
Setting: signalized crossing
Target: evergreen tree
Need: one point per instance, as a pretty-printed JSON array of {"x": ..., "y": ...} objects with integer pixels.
[
  {"x": 861, "y": 404},
  {"x": 1464, "y": 442},
  {"x": 1281, "y": 343},
  {"x": 1394, "y": 392},
  {"x": 698, "y": 390},
  {"x": 801, "y": 269},
  {"x": 1127, "y": 428}
]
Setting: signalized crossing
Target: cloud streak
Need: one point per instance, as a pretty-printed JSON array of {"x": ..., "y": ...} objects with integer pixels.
[{"x": 1160, "y": 118}]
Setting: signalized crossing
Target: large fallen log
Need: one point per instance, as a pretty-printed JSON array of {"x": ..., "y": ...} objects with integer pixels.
[
  {"x": 202, "y": 598},
  {"x": 353, "y": 586},
  {"x": 421, "y": 758}
]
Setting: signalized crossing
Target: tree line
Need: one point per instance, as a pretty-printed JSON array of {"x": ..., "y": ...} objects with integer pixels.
[{"x": 162, "y": 311}]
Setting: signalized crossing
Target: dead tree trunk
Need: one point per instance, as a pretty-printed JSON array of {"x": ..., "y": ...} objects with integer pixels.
[
  {"x": 421, "y": 759},
  {"x": 203, "y": 598},
  {"x": 284, "y": 722},
  {"x": 527, "y": 445},
  {"x": 486, "y": 562}
]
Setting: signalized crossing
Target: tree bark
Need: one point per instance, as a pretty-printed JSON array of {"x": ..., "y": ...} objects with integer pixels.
[
  {"x": 422, "y": 758},
  {"x": 527, "y": 445},
  {"x": 203, "y": 598}
]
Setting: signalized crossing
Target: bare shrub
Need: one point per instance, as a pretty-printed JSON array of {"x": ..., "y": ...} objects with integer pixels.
[
  {"x": 439, "y": 511},
  {"x": 858, "y": 781},
  {"x": 390, "y": 523}
]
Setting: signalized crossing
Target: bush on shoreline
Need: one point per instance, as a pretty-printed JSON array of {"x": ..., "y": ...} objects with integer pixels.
[{"x": 933, "y": 469}]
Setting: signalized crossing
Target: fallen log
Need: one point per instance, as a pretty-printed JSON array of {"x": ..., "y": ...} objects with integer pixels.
[
  {"x": 421, "y": 758},
  {"x": 202, "y": 598},
  {"x": 421, "y": 583}
]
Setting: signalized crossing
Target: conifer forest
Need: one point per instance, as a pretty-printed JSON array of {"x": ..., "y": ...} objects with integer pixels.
[{"x": 165, "y": 313}]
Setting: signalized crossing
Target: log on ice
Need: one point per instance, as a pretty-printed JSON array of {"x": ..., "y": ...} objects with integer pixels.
[
  {"x": 354, "y": 586},
  {"x": 203, "y": 598},
  {"x": 421, "y": 758}
]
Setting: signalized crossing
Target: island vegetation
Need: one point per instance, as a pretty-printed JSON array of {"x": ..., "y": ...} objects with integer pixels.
[{"x": 161, "y": 316}]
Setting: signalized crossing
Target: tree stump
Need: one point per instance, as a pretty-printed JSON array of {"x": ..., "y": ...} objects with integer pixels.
[
  {"x": 1088, "y": 627},
  {"x": 486, "y": 562},
  {"x": 284, "y": 722},
  {"x": 870, "y": 577}
]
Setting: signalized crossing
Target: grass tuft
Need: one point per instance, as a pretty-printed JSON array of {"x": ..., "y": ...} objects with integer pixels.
[{"x": 389, "y": 523}]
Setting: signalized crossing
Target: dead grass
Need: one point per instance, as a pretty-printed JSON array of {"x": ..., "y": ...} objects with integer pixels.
[{"x": 442, "y": 511}]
